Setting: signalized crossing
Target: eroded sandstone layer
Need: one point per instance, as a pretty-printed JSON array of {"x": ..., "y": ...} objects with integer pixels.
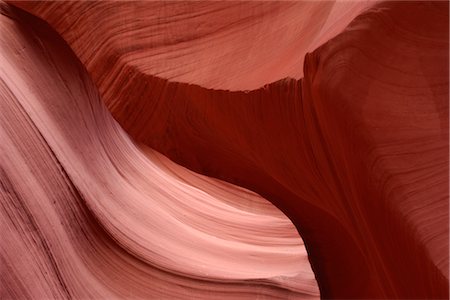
[
  {"x": 238, "y": 46},
  {"x": 353, "y": 148},
  {"x": 86, "y": 213}
]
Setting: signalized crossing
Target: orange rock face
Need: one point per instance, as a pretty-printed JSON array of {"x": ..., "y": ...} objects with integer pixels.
[
  {"x": 335, "y": 112},
  {"x": 216, "y": 45}
]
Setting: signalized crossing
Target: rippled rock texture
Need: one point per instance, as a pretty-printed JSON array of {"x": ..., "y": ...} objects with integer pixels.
[{"x": 178, "y": 150}]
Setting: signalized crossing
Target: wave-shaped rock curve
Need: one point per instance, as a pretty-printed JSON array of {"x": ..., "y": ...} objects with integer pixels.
[
  {"x": 87, "y": 213},
  {"x": 355, "y": 153},
  {"x": 197, "y": 42}
]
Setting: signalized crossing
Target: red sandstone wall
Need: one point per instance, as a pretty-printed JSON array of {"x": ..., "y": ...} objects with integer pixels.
[{"x": 353, "y": 149}]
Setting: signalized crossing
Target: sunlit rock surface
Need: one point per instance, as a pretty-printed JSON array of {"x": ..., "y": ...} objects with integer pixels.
[
  {"x": 215, "y": 44},
  {"x": 335, "y": 112}
]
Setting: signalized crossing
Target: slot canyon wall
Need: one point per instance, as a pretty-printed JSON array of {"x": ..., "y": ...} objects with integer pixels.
[{"x": 217, "y": 150}]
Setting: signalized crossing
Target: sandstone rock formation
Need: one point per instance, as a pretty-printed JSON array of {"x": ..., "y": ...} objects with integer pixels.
[
  {"x": 89, "y": 214},
  {"x": 352, "y": 148}
]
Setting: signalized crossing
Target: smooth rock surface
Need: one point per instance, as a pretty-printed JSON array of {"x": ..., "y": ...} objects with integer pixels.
[
  {"x": 87, "y": 213},
  {"x": 353, "y": 148}
]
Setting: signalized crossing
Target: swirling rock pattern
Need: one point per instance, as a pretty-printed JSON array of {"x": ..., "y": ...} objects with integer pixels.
[
  {"x": 196, "y": 42},
  {"x": 90, "y": 214},
  {"x": 353, "y": 148}
]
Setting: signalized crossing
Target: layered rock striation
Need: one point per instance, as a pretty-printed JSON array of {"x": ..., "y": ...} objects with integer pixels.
[{"x": 335, "y": 112}]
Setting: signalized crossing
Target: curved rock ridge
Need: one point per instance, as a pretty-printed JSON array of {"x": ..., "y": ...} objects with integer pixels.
[
  {"x": 88, "y": 213},
  {"x": 355, "y": 153},
  {"x": 197, "y": 42}
]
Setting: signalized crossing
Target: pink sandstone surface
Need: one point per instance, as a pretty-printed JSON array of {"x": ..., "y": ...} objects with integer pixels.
[{"x": 335, "y": 112}]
